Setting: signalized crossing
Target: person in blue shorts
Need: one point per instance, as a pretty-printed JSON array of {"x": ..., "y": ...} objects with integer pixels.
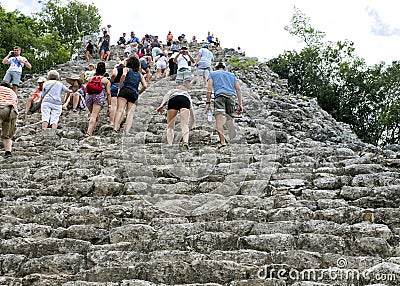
[{"x": 14, "y": 72}]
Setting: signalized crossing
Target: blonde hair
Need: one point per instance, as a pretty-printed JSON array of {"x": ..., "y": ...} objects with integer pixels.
[{"x": 53, "y": 74}]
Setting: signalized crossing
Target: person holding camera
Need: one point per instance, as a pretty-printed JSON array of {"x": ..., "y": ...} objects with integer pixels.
[
  {"x": 14, "y": 72},
  {"x": 184, "y": 60}
]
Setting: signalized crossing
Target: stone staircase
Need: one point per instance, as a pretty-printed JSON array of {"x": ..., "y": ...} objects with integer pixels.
[{"x": 296, "y": 199}]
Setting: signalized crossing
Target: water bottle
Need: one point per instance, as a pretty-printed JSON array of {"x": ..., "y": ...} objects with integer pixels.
[{"x": 209, "y": 115}]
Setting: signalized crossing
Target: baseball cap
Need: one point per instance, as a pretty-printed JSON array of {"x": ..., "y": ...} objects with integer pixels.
[
  {"x": 206, "y": 46},
  {"x": 220, "y": 65}
]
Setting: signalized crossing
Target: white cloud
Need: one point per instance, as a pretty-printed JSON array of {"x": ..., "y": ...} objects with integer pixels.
[{"x": 25, "y": 6}]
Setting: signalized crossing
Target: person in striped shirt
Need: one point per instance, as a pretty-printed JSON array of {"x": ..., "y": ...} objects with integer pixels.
[{"x": 8, "y": 116}]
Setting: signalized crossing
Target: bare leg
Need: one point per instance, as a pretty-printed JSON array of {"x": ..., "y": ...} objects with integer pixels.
[
  {"x": 121, "y": 103},
  {"x": 171, "y": 118},
  {"x": 219, "y": 118},
  {"x": 113, "y": 109},
  {"x": 7, "y": 144},
  {"x": 184, "y": 118},
  {"x": 93, "y": 118},
  {"x": 28, "y": 105},
  {"x": 75, "y": 100},
  {"x": 129, "y": 116}
]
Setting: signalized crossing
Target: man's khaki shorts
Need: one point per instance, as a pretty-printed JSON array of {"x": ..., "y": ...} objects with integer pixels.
[
  {"x": 225, "y": 104},
  {"x": 8, "y": 117}
]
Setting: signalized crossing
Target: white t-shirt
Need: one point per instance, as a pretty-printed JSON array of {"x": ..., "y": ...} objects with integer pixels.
[
  {"x": 161, "y": 62},
  {"x": 182, "y": 62},
  {"x": 15, "y": 65},
  {"x": 206, "y": 57}
]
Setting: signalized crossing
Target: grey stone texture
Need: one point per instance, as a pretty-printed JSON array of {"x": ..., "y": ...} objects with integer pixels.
[{"x": 295, "y": 199}]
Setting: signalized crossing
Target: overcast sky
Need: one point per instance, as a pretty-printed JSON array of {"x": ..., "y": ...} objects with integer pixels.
[{"x": 256, "y": 26}]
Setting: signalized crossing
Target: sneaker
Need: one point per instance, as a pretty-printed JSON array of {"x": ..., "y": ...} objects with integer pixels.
[
  {"x": 185, "y": 147},
  {"x": 7, "y": 155},
  {"x": 231, "y": 129}
]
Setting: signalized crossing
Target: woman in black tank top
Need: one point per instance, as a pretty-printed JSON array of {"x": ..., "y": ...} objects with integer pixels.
[{"x": 115, "y": 78}]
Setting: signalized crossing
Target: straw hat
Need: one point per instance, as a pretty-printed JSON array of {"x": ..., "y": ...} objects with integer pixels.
[{"x": 71, "y": 79}]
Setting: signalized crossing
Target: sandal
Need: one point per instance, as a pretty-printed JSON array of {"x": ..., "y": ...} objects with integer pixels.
[
  {"x": 221, "y": 146},
  {"x": 87, "y": 135}
]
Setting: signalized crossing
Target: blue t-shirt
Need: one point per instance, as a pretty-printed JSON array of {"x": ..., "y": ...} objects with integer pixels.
[
  {"x": 223, "y": 82},
  {"x": 134, "y": 40}
]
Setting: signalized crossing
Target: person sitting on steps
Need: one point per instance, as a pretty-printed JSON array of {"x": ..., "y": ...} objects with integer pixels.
[{"x": 34, "y": 101}]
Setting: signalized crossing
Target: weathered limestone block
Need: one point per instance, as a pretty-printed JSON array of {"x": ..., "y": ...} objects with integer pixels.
[
  {"x": 10, "y": 264},
  {"x": 268, "y": 242},
  {"x": 115, "y": 258},
  {"x": 70, "y": 263}
]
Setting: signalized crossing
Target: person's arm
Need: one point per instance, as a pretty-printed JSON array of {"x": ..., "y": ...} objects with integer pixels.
[
  {"x": 144, "y": 84},
  {"x": 209, "y": 92},
  {"x": 192, "y": 118},
  {"x": 159, "y": 109},
  {"x": 239, "y": 109},
  {"x": 5, "y": 60},
  {"x": 108, "y": 91},
  {"x": 67, "y": 98},
  {"x": 121, "y": 81},
  {"x": 190, "y": 57},
  {"x": 177, "y": 56},
  {"x": 114, "y": 74},
  {"x": 197, "y": 59},
  {"x": 27, "y": 64},
  {"x": 100, "y": 43}
]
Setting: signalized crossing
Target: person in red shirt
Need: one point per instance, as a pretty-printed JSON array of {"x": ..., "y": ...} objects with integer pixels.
[{"x": 33, "y": 102}]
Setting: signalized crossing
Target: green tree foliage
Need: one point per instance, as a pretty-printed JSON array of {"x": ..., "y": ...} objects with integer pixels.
[
  {"x": 367, "y": 98},
  {"x": 72, "y": 21},
  {"x": 50, "y": 37}
]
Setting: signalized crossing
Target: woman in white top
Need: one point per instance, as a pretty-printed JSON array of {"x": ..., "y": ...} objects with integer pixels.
[
  {"x": 161, "y": 63},
  {"x": 52, "y": 99},
  {"x": 178, "y": 100},
  {"x": 184, "y": 60}
]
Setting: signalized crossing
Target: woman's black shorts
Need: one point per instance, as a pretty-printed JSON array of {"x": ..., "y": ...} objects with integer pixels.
[
  {"x": 129, "y": 94},
  {"x": 178, "y": 102}
]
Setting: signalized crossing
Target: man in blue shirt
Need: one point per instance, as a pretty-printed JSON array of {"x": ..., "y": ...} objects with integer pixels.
[{"x": 226, "y": 91}]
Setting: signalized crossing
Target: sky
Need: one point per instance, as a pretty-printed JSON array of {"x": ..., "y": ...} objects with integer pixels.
[{"x": 256, "y": 26}]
